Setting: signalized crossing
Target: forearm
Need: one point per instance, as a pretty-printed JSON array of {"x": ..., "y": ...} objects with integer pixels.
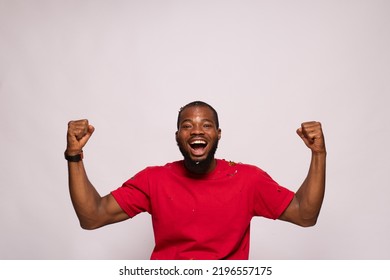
[
  {"x": 311, "y": 193},
  {"x": 86, "y": 200}
]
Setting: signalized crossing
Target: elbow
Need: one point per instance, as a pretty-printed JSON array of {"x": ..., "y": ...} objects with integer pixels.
[
  {"x": 308, "y": 217},
  {"x": 89, "y": 224},
  {"x": 308, "y": 222}
]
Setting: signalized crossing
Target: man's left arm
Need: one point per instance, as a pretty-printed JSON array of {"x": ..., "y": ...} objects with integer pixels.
[{"x": 305, "y": 207}]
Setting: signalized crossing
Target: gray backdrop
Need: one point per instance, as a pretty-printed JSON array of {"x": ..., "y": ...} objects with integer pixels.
[{"x": 128, "y": 66}]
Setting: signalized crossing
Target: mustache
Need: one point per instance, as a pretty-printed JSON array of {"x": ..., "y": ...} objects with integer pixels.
[{"x": 197, "y": 166}]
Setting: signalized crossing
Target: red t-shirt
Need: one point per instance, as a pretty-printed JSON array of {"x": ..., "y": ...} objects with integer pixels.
[{"x": 206, "y": 217}]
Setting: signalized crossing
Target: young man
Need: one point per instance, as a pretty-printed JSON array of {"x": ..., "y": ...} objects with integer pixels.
[{"x": 201, "y": 207}]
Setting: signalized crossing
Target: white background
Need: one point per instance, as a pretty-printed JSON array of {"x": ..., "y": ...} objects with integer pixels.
[{"x": 128, "y": 66}]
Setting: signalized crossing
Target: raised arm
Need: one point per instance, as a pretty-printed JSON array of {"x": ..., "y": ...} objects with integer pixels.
[
  {"x": 92, "y": 210},
  {"x": 305, "y": 207}
]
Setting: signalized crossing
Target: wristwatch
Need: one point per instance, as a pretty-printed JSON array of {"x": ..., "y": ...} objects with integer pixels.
[{"x": 75, "y": 158}]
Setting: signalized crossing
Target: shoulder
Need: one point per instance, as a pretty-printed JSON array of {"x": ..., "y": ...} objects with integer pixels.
[
  {"x": 151, "y": 174},
  {"x": 161, "y": 169},
  {"x": 247, "y": 172},
  {"x": 245, "y": 167}
]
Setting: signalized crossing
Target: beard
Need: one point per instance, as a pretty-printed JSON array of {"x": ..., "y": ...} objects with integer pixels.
[{"x": 199, "y": 166}]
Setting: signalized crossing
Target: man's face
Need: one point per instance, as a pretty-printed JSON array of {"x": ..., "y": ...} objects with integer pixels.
[{"x": 198, "y": 136}]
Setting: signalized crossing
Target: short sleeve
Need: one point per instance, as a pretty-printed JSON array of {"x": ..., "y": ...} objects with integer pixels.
[
  {"x": 133, "y": 195},
  {"x": 270, "y": 199}
]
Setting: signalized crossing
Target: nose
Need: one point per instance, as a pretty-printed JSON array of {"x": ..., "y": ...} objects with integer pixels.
[{"x": 197, "y": 129}]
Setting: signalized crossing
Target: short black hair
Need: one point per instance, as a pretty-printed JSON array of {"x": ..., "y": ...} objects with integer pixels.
[{"x": 198, "y": 104}]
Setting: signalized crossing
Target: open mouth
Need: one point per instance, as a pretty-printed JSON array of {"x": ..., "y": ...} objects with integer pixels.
[{"x": 198, "y": 146}]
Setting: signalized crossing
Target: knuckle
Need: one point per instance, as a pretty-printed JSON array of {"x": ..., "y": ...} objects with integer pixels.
[{"x": 78, "y": 124}]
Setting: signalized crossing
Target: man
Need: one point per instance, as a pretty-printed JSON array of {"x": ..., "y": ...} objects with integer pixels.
[{"x": 201, "y": 207}]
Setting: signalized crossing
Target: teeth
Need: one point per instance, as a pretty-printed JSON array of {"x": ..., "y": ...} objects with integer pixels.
[{"x": 198, "y": 142}]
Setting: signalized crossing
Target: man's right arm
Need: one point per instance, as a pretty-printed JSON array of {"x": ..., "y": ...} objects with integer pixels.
[{"x": 93, "y": 211}]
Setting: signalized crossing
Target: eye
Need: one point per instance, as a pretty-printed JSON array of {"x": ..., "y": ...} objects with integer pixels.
[
  {"x": 186, "y": 126},
  {"x": 208, "y": 125}
]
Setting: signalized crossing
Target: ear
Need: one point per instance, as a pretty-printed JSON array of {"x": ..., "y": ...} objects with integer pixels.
[
  {"x": 176, "y": 133},
  {"x": 219, "y": 133}
]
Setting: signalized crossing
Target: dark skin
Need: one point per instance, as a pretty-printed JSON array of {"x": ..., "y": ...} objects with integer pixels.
[
  {"x": 196, "y": 137},
  {"x": 305, "y": 207}
]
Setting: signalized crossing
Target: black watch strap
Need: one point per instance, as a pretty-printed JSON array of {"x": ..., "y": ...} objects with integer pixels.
[{"x": 75, "y": 158}]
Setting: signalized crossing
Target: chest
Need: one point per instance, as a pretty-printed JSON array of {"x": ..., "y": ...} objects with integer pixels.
[{"x": 194, "y": 204}]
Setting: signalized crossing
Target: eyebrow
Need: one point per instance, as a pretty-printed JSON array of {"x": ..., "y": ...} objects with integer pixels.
[{"x": 203, "y": 120}]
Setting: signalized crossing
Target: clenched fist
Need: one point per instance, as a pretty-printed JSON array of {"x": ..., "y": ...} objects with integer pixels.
[
  {"x": 78, "y": 135},
  {"x": 311, "y": 133}
]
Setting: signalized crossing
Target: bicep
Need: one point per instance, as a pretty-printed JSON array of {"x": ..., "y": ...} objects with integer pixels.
[
  {"x": 292, "y": 214},
  {"x": 111, "y": 211}
]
